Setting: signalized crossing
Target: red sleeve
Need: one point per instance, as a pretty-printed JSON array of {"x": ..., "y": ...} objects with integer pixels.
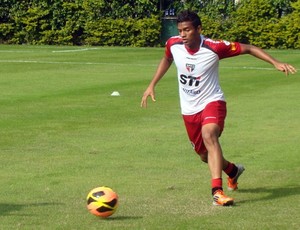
[
  {"x": 224, "y": 49},
  {"x": 168, "y": 53},
  {"x": 171, "y": 41}
]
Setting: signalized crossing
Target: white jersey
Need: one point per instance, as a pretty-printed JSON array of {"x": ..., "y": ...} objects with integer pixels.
[{"x": 198, "y": 72}]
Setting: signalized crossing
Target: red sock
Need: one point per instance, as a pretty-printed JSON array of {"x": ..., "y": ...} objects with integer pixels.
[
  {"x": 231, "y": 170},
  {"x": 216, "y": 184}
]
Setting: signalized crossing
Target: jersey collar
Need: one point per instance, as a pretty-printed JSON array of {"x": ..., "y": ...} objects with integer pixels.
[{"x": 193, "y": 51}]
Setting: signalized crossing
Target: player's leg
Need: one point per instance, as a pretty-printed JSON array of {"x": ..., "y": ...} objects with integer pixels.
[
  {"x": 210, "y": 135},
  {"x": 213, "y": 118},
  {"x": 193, "y": 124},
  {"x": 215, "y": 112},
  {"x": 233, "y": 171}
]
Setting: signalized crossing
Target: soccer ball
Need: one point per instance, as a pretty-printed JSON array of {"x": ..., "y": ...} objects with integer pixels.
[{"x": 102, "y": 201}]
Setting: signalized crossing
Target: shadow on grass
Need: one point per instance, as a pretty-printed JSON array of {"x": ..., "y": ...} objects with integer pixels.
[
  {"x": 114, "y": 218},
  {"x": 7, "y": 209},
  {"x": 270, "y": 193}
]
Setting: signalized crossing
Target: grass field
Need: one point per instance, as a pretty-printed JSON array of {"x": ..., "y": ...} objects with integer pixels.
[{"x": 62, "y": 134}]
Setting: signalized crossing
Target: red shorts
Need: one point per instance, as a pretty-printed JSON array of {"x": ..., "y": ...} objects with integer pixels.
[{"x": 214, "y": 112}]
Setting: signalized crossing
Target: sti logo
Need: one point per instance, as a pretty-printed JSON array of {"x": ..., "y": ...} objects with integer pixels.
[
  {"x": 190, "y": 80},
  {"x": 190, "y": 67}
]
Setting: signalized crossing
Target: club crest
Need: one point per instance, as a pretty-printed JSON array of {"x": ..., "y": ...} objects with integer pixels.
[{"x": 190, "y": 67}]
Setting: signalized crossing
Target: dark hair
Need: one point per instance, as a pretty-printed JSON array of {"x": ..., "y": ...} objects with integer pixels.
[{"x": 189, "y": 16}]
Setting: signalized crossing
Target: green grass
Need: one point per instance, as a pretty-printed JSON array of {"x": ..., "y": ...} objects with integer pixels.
[{"x": 62, "y": 134}]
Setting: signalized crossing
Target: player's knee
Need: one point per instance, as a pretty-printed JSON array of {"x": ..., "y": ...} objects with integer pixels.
[{"x": 210, "y": 135}]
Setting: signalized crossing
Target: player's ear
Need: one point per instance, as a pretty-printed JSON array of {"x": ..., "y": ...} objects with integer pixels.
[{"x": 199, "y": 29}]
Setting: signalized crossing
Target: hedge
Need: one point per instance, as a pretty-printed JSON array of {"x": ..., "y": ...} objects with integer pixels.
[{"x": 87, "y": 22}]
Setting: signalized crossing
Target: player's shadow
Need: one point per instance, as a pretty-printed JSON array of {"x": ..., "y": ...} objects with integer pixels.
[
  {"x": 270, "y": 193},
  {"x": 7, "y": 209}
]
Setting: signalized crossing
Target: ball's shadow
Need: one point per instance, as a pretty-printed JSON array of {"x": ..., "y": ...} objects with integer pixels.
[{"x": 114, "y": 218}]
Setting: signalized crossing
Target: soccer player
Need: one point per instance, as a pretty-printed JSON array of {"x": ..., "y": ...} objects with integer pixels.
[{"x": 202, "y": 101}]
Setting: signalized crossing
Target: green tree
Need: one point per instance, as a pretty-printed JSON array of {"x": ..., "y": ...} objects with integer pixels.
[
  {"x": 252, "y": 23},
  {"x": 121, "y": 9},
  {"x": 266, "y": 23},
  {"x": 283, "y": 7},
  {"x": 289, "y": 24},
  {"x": 6, "y": 26}
]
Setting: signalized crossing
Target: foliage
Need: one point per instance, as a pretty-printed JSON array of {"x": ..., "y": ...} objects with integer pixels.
[
  {"x": 252, "y": 21},
  {"x": 256, "y": 22},
  {"x": 129, "y": 23},
  {"x": 265, "y": 23},
  {"x": 123, "y": 32},
  {"x": 290, "y": 25}
]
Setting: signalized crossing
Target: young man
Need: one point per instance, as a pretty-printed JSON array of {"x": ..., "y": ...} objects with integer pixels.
[{"x": 202, "y": 101}]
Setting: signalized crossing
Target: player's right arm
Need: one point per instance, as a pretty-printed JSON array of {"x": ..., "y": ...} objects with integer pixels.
[{"x": 162, "y": 68}]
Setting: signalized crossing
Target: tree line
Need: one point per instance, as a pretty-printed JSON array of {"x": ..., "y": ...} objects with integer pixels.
[{"x": 265, "y": 23}]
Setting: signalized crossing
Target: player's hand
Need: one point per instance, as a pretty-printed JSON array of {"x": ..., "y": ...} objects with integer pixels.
[
  {"x": 148, "y": 93},
  {"x": 286, "y": 68}
]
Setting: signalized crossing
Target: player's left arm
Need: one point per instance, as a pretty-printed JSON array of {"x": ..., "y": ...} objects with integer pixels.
[{"x": 261, "y": 54}]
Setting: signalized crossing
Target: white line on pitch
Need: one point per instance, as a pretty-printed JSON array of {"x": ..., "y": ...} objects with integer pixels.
[
  {"x": 69, "y": 51},
  {"x": 72, "y": 63},
  {"x": 54, "y": 51}
]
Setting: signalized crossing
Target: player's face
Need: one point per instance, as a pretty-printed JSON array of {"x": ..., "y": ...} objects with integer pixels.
[{"x": 189, "y": 34}]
